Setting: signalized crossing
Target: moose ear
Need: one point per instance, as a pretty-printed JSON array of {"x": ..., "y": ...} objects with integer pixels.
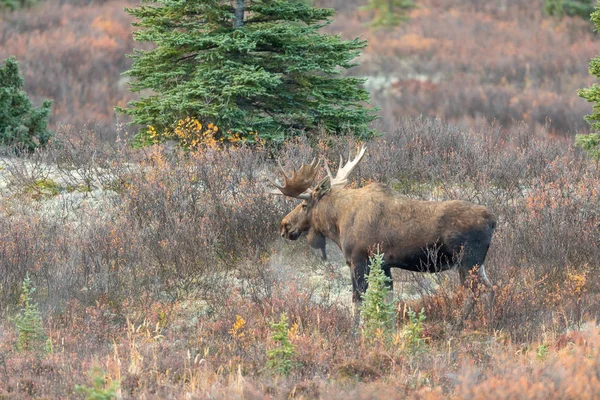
[{"x": 322, "y": 188}]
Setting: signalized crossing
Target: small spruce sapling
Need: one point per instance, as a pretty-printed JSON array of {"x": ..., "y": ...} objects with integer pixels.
[
  {"x": 378, "y": 314},
  {"x": 100, "y": 389},
  {"x": 572, "y": 8},
  {"x": 389, "y": 13},
  {"x": 30, "y": 333},
  {"x": 412, "y": 332},
  {"x": 280, "y": 359}
]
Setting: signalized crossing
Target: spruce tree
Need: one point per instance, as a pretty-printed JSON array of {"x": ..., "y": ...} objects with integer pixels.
[
  {"x": 12, "y": 5},
  {"x": 591, "y": 142},
  {"x": 560, "y": 8},
  {"x": 21, "y": 124},
  {"x": 378, "y": 314},
  {"x": 246, "y": 66},
  {"x": 29, "y": 320}
]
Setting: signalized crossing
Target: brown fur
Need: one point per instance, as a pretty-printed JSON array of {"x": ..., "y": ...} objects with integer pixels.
[{"x": 424, "y": 236}]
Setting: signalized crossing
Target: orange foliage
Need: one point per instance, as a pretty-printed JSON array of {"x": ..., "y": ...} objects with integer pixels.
[{"x": 73, "y": 55}]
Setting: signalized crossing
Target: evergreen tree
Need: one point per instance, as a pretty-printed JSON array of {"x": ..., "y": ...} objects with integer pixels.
[
  {"x": 12, "y": 5},
  {"x": 389, "y": 13},
  {"x": 247, "y": 66},
  {"x": 560, "y": 8},
  {"x": 280, "y": 358},
  {"x": 29, "y": 320},
  {"x": 21, "y": 124},
  {"x": 378, "y": 314},
  {"x": 591, "y": 142}
]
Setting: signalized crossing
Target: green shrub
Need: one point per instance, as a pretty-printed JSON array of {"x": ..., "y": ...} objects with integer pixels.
[
  {"x": 542, "y": 351},
  {"x": 280, "y": 359},
  {"x": 560, "y": 8},
  {"x": 21, "y": 124},
  {"x": 591, "y": 142},
  {"x": 12, "y": 5},
  {"x": 30, "y": 333},
  {"x": 99, "y": 390},
  {"x": 412, "y": 332},
  {"x": 389, "y": 13},
  {"x": 376, "y": 311}
]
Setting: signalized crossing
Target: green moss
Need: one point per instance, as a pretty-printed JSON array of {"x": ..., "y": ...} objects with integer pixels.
[
  {"x": 409, "y": 186},
  {"x": 81, "y": 188},
  {"x": 44, "y": 188}
]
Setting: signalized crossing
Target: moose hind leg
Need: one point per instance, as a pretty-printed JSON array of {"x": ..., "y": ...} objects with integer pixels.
[
  {"x": 472, "y": 287},
  {"x": 389, "y": 284},
  {"x": 489, "y": 292}
]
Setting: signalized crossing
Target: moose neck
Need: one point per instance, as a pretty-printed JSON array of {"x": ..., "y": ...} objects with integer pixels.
[{"x": 326, "y": 213}]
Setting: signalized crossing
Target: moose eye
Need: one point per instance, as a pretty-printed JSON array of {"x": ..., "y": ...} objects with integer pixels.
[{"x": 304, "y": 206}]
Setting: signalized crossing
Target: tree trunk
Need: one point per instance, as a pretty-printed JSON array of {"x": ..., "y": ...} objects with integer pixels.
[{"x": 239, "y": 14}]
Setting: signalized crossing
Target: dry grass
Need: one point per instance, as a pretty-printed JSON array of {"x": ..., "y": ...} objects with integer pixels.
[{"x": 146, "y": 277}]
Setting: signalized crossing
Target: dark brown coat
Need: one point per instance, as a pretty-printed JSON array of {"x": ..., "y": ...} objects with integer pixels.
[{"x": 416, "y": 235}]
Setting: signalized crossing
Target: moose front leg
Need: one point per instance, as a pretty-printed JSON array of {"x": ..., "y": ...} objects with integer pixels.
[
  {"x": 359, "y": 286},
  {"x": 359, "y": 281}
]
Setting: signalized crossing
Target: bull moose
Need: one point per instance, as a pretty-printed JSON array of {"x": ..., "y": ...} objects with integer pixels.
[{"x": 415, "y": 235}]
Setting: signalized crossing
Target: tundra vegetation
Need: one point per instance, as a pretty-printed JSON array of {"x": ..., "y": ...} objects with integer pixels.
[
  {"x": 169, "y": 273},
  {"x": 160, "y": 273}
]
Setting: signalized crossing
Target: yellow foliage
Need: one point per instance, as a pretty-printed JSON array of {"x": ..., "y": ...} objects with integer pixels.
[
  {"x": 293, "y": 331},
  {"x": 238, "y": 330},
  {"x": 191, "y": 134}
]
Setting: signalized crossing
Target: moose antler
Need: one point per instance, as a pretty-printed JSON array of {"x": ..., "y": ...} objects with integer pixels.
[
  {"x": 341, "y": 178},
  {"x": 299, "y": 183}
]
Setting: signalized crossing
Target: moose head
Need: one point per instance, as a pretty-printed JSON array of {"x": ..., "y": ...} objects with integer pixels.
[{"x": 298, "y": 221}]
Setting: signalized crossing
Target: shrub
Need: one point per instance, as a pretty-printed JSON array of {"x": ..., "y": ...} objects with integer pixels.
[
  {"x": 591, "y": 142},
  {"x": 280, "y": 359},
  {"x": 30, "y": 333},
  {"x": 191, "y": 134},
  {"x": 560, "y": 8},
  {"x": 412, "y": 332},
  {"x": 12, "y": 5},
  {"x": 389, "y": 13},
  {"x": 376, "y": 311},
  {"x": 21, "y": 124},
  {"x": 100, "y": 389}
]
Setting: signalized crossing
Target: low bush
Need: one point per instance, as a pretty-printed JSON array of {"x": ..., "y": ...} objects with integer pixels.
[{"x": 149, "y": 268}]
